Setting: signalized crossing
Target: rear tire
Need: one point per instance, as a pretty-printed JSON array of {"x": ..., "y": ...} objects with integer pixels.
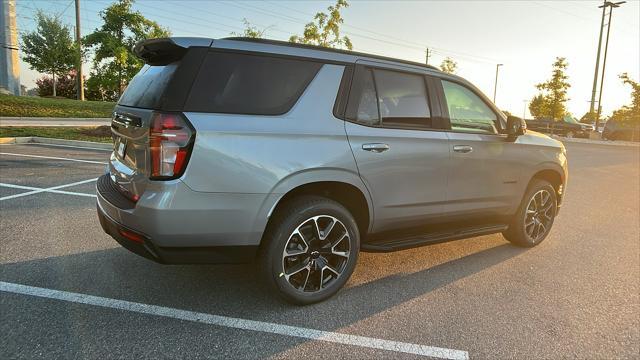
[
  {"x": 310, "y": 250},
  {"x": 534, "y": 219}
]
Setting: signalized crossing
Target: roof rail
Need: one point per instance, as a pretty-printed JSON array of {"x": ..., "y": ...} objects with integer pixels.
[{"x": 320, "y": 48}]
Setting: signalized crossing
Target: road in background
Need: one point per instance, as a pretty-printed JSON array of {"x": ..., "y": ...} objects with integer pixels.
[
  {"x": 43, "y": 121},
  {"x": 575, "y": 295}
]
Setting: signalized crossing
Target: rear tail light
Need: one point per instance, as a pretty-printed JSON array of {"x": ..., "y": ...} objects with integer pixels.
[{"x": 170, "y": 142}]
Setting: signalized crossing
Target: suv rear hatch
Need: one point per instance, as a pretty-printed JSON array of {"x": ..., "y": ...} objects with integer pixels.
[{"x": 152, "y": 140}]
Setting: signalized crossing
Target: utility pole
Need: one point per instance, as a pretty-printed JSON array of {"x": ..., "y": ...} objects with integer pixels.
[
  {"x": 604, "y": 60},
  {"x": 495, "y": 87},
  {"x": 9, "y": 61},
  {"x": 524, "y": 110},
  {"x": 79, "y": 79},
  {"x": 428, "y": 54},
  {"x": 595, "y": 74}
]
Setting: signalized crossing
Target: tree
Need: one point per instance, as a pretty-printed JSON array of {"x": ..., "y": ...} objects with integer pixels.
[
  {"x": 66, "y": 84},
  {"x": 635, "y": 92},
  {"x": 550, "y": 103},
  {"x": 538, "y": 107},
  {"x": 114, "y": 62},
  {"x": 588, "y": 118},
  {"x": 449, "y": 66},
  {"x": 251, "y": 31},
  {"x": 325, "y": 31},
  {"x": 49, "y": 49},
  {"x": 629, "y": 113},
  {"x": 102, "y": 86}
]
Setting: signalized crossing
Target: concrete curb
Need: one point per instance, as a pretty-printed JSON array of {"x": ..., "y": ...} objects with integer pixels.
[
  {"x": 53, "y": 122},
  {"x": 51, "y": 141},
  {"x": 597, "y": 142},
  {"x": 38, "y": 118}
]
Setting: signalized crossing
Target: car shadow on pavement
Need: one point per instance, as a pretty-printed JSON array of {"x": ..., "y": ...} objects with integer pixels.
[{"x": 234, "y": 290}]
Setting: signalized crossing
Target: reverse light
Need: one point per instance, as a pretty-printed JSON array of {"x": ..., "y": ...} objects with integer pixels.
[{"x": 170, "y": 142}]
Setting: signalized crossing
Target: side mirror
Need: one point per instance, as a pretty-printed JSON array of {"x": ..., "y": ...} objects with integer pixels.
[{"x": 515, "y": 127}]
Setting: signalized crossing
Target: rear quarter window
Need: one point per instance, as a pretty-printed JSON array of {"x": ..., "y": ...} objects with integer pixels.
[
  {"x": 249, "y": 84},
  {"x": 146, "y": 88}
]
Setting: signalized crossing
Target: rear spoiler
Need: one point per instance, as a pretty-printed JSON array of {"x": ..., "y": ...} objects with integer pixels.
[{"x": 163, "y": 51}]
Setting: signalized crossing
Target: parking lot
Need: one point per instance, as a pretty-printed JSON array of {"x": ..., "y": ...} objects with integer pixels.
[{"x": 68, "y": 290}]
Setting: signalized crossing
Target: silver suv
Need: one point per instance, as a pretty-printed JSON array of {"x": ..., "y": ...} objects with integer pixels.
[{"x": 298, "y": 157}]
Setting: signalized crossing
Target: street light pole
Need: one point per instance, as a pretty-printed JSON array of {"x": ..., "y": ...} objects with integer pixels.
[
  {"x": 495, "y": 87},
  {"x": 604, "y": 60}
]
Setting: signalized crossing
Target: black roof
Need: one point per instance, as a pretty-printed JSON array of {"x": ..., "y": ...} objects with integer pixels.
[{"x": 339, "y": 51}]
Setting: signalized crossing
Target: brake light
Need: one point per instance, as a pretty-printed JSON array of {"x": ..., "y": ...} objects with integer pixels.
[{"x": 170, "y": 143}]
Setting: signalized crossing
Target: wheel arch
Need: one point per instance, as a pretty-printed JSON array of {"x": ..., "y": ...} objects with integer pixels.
[
  {"x": 552, "y": 174},
  {"x": 339, "y": 185}
]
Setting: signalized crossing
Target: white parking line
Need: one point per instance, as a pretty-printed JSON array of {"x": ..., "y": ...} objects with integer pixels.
[
  {"x": 237, "y": 323},
  {"x": 55, "y": 158},
  {"x": 50, "y": 190}
]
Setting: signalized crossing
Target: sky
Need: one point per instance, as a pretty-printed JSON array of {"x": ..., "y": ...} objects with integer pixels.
[{"x": 524, "y": 36}]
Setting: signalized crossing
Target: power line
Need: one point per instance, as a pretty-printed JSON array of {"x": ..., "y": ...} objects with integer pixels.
[
  {"x": 562, "y": 11},
  {"x": 408, "y": 44},
  {"x": 172, "y": 16},
  {"x": 230, "y": 18},
  {"x": 65, "y": 9},
  {"x": 544, "y": 4},
  {"x": 363, "y": 34}
]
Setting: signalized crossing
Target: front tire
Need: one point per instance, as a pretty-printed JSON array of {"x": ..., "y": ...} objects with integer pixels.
[
  {"x": 534, "y": 219},
  {"x": 310, "y": 250}
]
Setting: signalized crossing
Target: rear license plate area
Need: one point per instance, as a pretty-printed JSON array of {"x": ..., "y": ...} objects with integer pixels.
[{"x": 120, "y": 147}]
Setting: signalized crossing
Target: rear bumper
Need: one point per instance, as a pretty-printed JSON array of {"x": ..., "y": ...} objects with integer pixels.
[
  {"x": 163, "y": 234},
  {"x": 113, "y": 229},
  {"x": 177, "y": 255}
]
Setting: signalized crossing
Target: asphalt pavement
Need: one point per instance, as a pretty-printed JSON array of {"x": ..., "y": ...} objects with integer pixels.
[{"x": 574, "y": 296}]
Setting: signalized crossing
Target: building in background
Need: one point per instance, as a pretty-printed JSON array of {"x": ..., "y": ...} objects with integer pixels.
[{"x": 9, "y": 61}]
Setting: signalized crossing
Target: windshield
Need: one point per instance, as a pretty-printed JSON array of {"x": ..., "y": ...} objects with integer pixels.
[{"x": 570, "y": 119}]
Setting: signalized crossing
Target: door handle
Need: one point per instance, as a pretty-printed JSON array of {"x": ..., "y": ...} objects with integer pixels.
[
  {"x": 465, "y": 149},
  {"x": 375, "y": 147}
]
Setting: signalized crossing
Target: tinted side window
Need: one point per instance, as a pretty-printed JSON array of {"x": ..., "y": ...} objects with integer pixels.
[
  {"x": 402, "y": 99},
  {"x": 249, "y": 84},
  {"x": 363, "y": 102},
  {"x": 467, "y": 112},
  {"x": 146, "y": 88}
]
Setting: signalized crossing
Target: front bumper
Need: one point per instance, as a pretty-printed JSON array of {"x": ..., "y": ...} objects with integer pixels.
[
  {"x": 163, "y": 235},
  {"x": 584, "y": 133}
]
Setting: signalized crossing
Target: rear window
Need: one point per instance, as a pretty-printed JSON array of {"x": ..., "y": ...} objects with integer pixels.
[
  {"x": 146, "y": 88},
  {"x": 249, "y": 84}
]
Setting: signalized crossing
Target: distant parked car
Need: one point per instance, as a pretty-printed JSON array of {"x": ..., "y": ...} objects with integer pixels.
[
  {"x": 568, "y": 127},
  {"x": 617, "y": 130}
]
